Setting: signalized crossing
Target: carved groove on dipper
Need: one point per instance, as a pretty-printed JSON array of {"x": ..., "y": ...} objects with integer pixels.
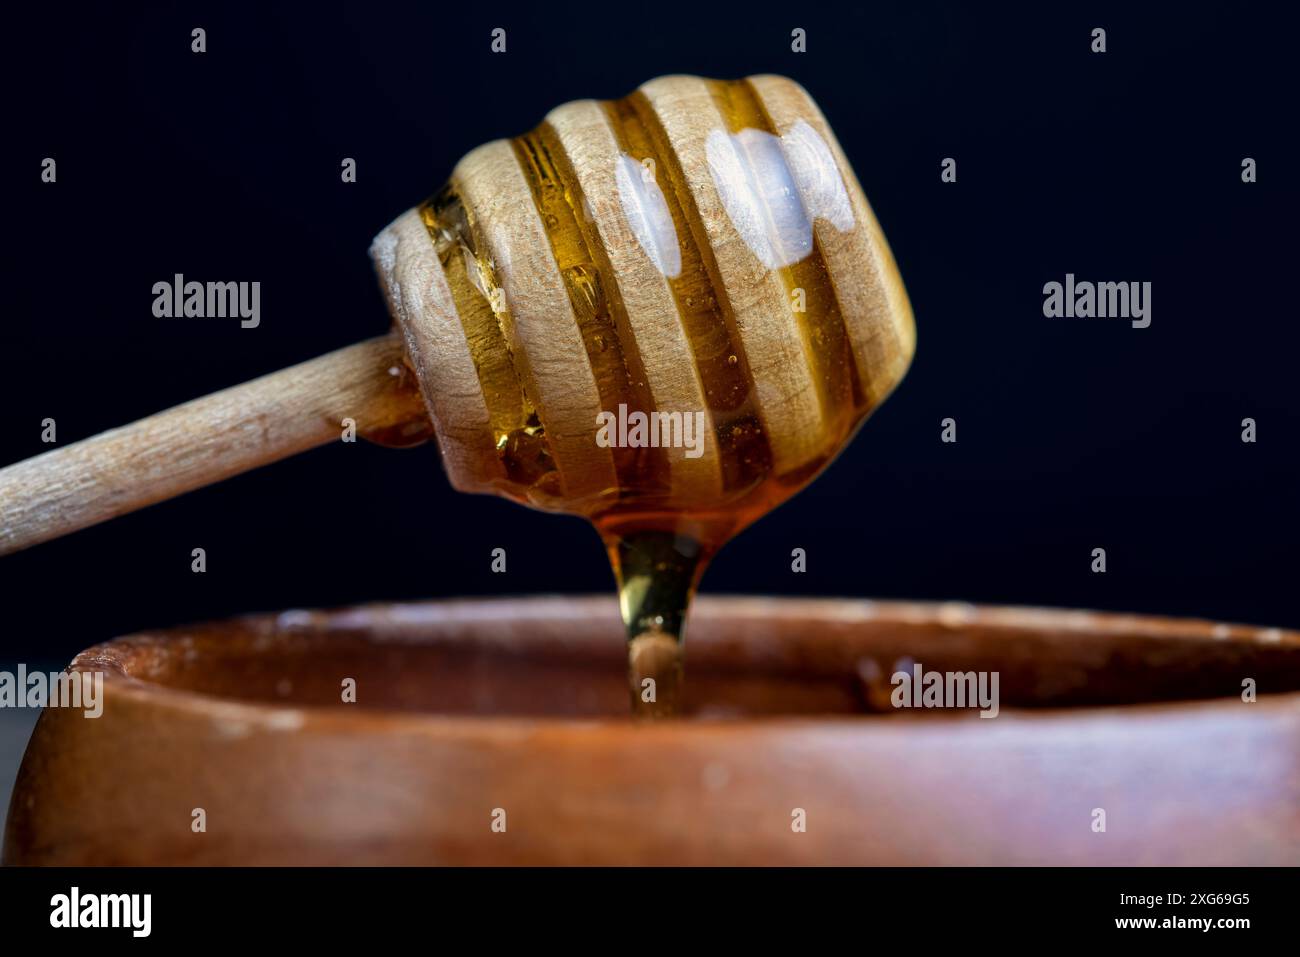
[
  {"x": 821, "y": 327},
  {"x": 701, "y": 305},
  {"x": 593, "y": 296},
  {"x": 570, "y": 302}
]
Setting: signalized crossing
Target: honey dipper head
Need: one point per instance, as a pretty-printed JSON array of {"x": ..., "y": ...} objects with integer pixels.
[{"x": 676, "y": 300}]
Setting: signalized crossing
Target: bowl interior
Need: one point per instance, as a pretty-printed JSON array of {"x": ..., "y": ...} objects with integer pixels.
[{"x": 565, "y": 657}]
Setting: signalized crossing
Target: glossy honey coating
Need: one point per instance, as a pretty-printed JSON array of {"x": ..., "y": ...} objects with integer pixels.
[{"x": 698, "y": 252}]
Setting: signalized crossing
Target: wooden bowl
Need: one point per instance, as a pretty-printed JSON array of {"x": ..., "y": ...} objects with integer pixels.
[{"x": 468, "y": 709}]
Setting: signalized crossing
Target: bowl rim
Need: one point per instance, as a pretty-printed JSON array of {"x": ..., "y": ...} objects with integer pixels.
[{"x": 111, "y": 657}]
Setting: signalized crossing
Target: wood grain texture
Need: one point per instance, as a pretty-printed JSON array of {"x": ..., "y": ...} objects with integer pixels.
[
  {"x": 538, "y": 291},
  {"x": 538, "y": 321},
  {"x": 649, "y": 253},
  {"x": 655, "y": 331},
  {"x": 859, "y": 263},
  {"x": 785, "y": 390},
  {"x": 206, "y": 440},
  {"x": 871, "y": 295},
  {"x": 413, "y": 281},
  {"x": 463, "y": 707}
]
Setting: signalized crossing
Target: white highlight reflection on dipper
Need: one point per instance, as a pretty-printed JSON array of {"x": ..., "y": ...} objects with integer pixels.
[
  {"x": 774, "y": 189},
  {"x": 646, "y": 211}
]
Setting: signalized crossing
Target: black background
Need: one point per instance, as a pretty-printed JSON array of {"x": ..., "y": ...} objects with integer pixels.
[
  {"x": 785, "y": 908},
  {"x": 1072, "y": 434}
]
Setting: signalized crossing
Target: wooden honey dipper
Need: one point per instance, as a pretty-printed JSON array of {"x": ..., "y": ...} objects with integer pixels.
[{"x": 568, "y": 310}]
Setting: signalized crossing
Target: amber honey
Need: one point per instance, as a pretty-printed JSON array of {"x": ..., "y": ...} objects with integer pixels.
[{"x": 690, "y": 245}]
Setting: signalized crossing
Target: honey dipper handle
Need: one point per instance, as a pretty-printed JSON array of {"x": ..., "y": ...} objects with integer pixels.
[{"x": 205, "y": 441}]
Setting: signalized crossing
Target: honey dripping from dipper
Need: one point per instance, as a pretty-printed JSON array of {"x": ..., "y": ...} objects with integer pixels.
[
  {"x": 665, "y": 313},
  {"x": 723, "y": 376}
]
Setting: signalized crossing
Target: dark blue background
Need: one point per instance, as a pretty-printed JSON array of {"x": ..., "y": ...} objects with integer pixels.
[{"x": 1072, "y": 434}]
